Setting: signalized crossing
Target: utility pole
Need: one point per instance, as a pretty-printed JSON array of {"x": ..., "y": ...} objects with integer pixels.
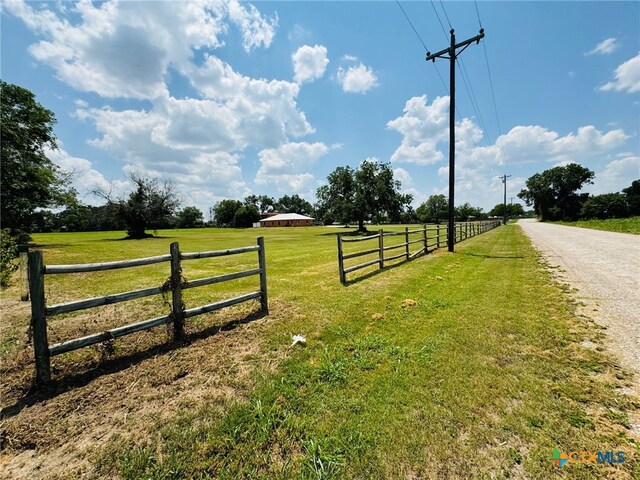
[
  {"x": 452, "y": 55},
  {"x": 504, "y": 212}
]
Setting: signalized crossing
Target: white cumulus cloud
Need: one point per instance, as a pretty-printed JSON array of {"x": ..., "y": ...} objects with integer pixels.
[
  {"x": 124, "y": 49},
  {"x": 616, "y": 175},
  {"x": 309, "y": 63},
  {"x": 627, "y": 77},
  {"x": 287, "y": 166},
  {"x": 357, "y": 79}
]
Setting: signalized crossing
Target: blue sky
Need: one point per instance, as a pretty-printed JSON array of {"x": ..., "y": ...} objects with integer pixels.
[{"x": 228, "y": 98}]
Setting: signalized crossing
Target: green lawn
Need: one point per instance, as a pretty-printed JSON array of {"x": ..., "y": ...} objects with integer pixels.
[
  {"x": 622, "y": 225},
  {"x": 464, "y": 365}
]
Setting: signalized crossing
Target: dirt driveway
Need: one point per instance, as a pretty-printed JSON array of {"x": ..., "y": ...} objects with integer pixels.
[{"x": 605, "y": 268}]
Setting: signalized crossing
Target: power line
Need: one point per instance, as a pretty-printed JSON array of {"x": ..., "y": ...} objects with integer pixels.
[
  {"x": 486, "y": 58},
  {"x": 439, "y": 20},
  {"x": 472, "y": 97},
  {"x": 438, "y": 71},
  {"x": 477, "y": 13},
  {"x": 414, "y": 28},
  {"x": 445, "y": 14}
]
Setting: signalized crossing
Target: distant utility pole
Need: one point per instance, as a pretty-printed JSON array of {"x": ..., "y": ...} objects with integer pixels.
[
  {"x": 504, "y": 212},
  {"x": 452, "y": 55}
]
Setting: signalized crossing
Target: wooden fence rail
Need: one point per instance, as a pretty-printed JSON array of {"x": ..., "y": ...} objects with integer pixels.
[
  {"x": 40, "y": 311},
  {"x": 431, "y": 238}
]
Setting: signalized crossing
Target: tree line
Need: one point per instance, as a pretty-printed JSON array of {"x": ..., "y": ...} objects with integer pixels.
[{"x": 555, "y": 195}]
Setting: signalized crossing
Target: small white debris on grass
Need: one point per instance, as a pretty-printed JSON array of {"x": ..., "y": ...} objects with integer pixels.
[{"x": 299, "y": 339}]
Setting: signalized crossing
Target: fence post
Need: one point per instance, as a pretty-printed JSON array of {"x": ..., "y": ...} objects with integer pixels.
[
  {"x": 177, "y": 307},
  {"x": 24, "y": 272},
  {"x": 381, "y": 247},
  {"x": 425, "y": 238},
  {"x": 438, "y": 236},
  {"x": 262, "y": 264},
  {"x": 340, "y": 259},
  {"x": 406, "y": 241},
  {"x": 39, "y": 318}
]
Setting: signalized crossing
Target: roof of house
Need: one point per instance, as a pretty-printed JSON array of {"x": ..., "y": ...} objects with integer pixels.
[{"x": 286, "y": 216}]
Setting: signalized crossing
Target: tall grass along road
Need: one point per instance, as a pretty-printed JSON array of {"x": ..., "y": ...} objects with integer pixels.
[{"x": 605, "y": 268}]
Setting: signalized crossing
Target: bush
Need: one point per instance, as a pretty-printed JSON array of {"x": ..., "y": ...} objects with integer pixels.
[
  {"x": 8, "y": 254},
  {"x": 609, "y": 205}
]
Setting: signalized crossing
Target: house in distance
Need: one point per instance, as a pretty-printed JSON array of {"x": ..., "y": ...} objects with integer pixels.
[{"x": 287, "y": 220}]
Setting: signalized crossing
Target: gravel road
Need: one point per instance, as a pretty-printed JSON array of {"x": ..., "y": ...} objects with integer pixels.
[{"x": 605, "y": 268}]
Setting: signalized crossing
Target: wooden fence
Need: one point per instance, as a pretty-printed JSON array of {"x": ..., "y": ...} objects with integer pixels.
[
  {"x": 430, "y": 237},
  {"x": 40, "y": 311}
]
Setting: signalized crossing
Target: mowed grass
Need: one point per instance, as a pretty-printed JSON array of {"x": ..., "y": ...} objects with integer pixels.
[
  {"x": 622, "y": 225},
  {"x": 464, "y": 365}
]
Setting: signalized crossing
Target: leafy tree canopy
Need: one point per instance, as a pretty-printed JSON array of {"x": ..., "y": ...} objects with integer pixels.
[
  {"x": 434, "y": 210},
  {"x": 189, "y": 217},
  {"x": 513, "y": 210},
  {"x": 263, "y": 203},
  {"x": 30, "y": 180},
  {"x": 553, "y": 192},
  {"x": 369, "y": 192},
  {"x": 633, "y": 197},
  {"x": 609, "y": 205},
  {"x": 294, "y": 204}
]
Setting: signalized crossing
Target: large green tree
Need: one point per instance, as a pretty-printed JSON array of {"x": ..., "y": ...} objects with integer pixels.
[
  {"x": 189, "y": 217},
  {"x": 513, "y": 210},
  {"x": 336, "y": 199},
  {"x": 553, "y": 193},
  {"x": 632, "y": 193},
  {"x": 294, "y": 204},
  {"x": 263, "y": 203},
  {"x": 434, "y": 210},
  {"x": 30, "y": 180},
  {"x": 369, "y": 192}
]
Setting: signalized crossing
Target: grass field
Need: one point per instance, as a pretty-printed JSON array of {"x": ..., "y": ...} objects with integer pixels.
[
  {"x": 622, "y": 225},
  {"x": 464, "y": 365}
]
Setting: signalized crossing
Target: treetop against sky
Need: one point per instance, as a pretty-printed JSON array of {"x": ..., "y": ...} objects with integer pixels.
[{"x": 229, "y": 98}]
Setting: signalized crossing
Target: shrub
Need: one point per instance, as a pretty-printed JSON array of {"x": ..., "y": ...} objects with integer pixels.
[
  {"x": 8, "y": 254},
  {"x": 609, "y": 205}
]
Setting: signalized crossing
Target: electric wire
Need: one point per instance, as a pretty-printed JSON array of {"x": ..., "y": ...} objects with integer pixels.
[
  {"x": 477, "y": 13},
  {"x": 445, "y": 14},
  {"x": 472, "y": 97},
  {"x": 486, "y": 58},
  {"x": 438, "y": 71},
  {"x": 439, "y": 20},
  {"x": 414, "y": 28}
]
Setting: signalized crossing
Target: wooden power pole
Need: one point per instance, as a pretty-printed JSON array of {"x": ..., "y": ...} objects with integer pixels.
[
  {"x": 452, "y": 55},
  {"x": 504, "y": 212}
]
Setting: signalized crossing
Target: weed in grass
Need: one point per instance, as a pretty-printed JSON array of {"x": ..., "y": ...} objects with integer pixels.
[
  {"x": 331, "y": 369},
  {"x": 319, "y": 462}
]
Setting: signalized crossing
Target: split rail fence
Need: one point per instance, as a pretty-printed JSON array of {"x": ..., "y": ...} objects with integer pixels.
[
  {"x": 429, "y": 238},
  {"x": 40, "y": 311}
]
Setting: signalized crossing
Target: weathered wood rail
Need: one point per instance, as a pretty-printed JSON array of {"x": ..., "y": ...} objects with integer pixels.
[
  {"x": 40, "y": 311},
  {"x": 430, "y": 237}
]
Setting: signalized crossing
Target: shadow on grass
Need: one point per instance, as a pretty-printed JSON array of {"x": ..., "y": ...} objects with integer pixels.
[
  {"x": 373, "y": 273},
  {"x": 355, "y": 233},
  {"x": 488, "y": 256},
  {"x": 37, "y": 394},
  {"x": 129, "y": 239}
]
